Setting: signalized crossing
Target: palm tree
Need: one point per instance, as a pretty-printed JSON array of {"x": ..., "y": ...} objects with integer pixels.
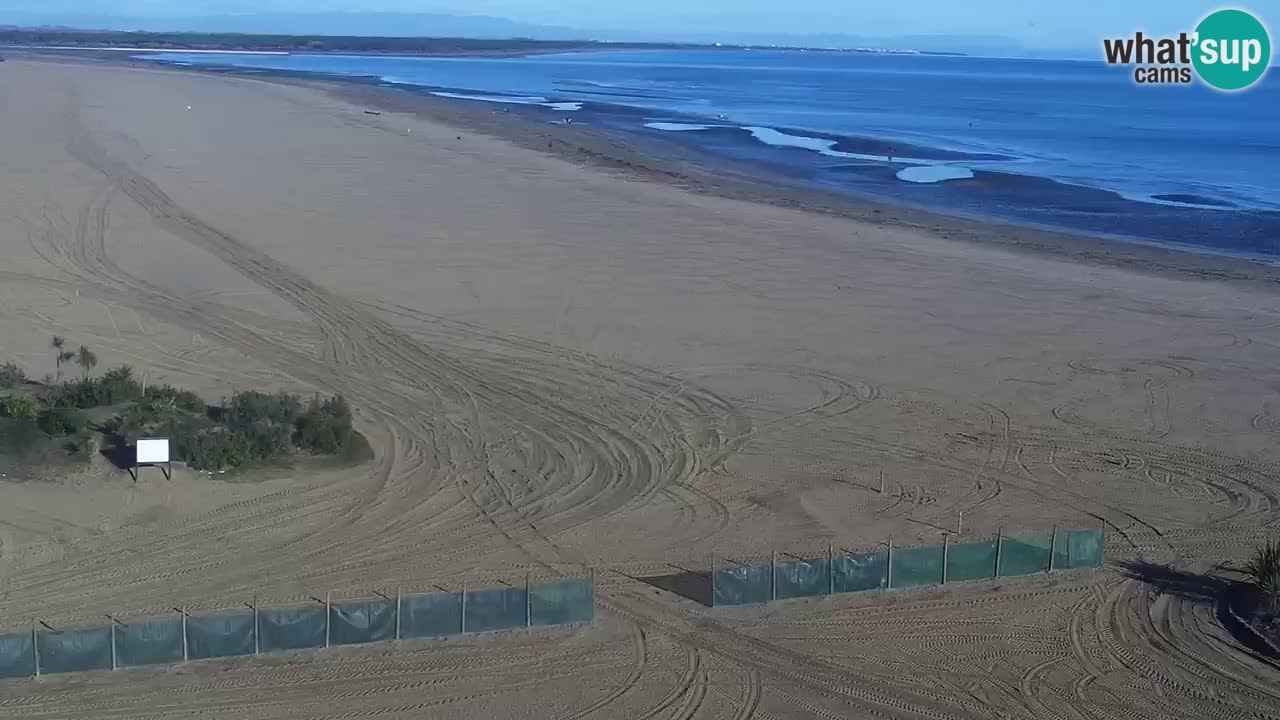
[
  {"x": 1263, "y": 569},
  {"x": 57, "y": 342},
  {"x": 87, "y": 360}
]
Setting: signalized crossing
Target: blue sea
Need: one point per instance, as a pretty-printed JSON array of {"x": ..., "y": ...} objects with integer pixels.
[{"x": 1068, "y": 144}]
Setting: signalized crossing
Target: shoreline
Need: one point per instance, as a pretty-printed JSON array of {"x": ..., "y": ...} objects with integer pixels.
[
  {"x": 653, "y": 160},
  {"x": 699, "y": 171}
]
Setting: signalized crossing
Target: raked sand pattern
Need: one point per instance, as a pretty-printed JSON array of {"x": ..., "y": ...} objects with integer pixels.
[{"x": 561, "y": 368}]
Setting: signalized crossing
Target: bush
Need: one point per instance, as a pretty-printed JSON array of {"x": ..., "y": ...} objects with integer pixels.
[
  {"x": 21, "y": 407},
  {"x": 249, "y": 409},
  {"x": 61, "y": 421},
  {"x": 181, "y": 399},
  {"x": 325, "y": 428},
  {"x": 256, "y": 427},
  {"x": 206, "y": 446},
  {"x": 18, "y": 436},
  {"x": 118, "y": 385},
  {"x": 1263, "y": 569},
  {"x": 115, "y": 386},
  {"x": 11, "y": 375},
  {"x": 83, "y": 443}
]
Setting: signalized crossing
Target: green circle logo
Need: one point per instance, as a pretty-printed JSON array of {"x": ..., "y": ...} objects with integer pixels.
[{"x": 1232, "y": 49}]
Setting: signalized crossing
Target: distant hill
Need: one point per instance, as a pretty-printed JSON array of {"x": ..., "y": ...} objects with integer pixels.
[
  {"x": 380, "y": 24},
  {"x": 322, "y": 23}
]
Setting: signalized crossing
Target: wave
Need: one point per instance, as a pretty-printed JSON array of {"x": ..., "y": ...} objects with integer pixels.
[
  {"x": 926, "y": 174},
  {"x": 680, "y": 127},
  {"x": 513, "y": 100}
]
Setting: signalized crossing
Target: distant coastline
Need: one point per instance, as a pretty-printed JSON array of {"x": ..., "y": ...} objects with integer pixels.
[{"x": 90, "y": 40}]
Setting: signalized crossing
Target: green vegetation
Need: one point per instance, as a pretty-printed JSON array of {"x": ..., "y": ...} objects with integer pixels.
[
  {"x": 1263, "y": 570},
  {"x": 325, "y": 428},
  {"x": 258, "y": 427},
  {"x": 60, "y": 355},
  {"x": 20, "y": 407},
  {"x": 86, "y": 360},
  {"x": 11, "y": 375},
  {"x": 250, "y": 427},
  {"x": 61, "y": 421}
]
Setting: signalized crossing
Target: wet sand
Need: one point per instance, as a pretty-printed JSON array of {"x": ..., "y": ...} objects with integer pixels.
[{"x": 625, "y": 364}]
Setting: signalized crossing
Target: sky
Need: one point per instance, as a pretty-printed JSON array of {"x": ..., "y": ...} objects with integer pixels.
[{"x": 1034, "y": 23}]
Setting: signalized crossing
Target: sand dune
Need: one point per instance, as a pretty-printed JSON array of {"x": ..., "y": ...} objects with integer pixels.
[{"x": 561, "y": 367}]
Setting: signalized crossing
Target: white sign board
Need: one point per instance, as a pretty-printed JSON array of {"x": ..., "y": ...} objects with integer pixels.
[{"x": 153, "y": 450}]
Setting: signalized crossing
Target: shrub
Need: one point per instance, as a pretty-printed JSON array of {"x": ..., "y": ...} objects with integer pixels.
[
  {"x": 248, "y": 409},
  {"x": 115, "y": 386},
  {"x": 181, "y": 399},
  {"x": 118, "y": 385},
  {"x": 325, "y": 427},
  {"x": 61, "y": 421},
  {"x": 11, "y": 375},
  {"x": 1263, "y": 569},
  {"x": 83, "y": 443},
  {"x": 22, "y": 407},
  {"x": 18, "y": 435},
  {"x": 206, "y": 446}
]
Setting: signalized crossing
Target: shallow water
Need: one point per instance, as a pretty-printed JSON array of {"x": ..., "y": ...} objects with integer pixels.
[{"x": 857, "y": 119}]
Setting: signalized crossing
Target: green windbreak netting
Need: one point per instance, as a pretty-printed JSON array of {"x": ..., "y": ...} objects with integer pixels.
[
  {"x": 803, "y": 578},
  {"x": 915, "y": 566},
  {"x": 497, "y": 609},
  {"x": 741, "y": 584},
  {"x": 292, "y": 628},
  {"x": 220, "y": 635},
  {"x": 63, "y": 651},
  {"x": 367, "y": 621},
  {"x": 1078, "y": 549},
  {"x": 17, "y": 657},
  {"x": 561, "y": 602},
  {"x": 430, "y": 615},
  {"x": 150, "y": 642},
  {"x": 855, "y": 572},
  {"x": 1024, "y": 555},
  {"x": 971, "y": 561}
]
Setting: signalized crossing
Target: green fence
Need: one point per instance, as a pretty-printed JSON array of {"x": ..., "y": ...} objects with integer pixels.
[
  {"x": 180, "y": 637},
  {"x": 781, "y": 578}
]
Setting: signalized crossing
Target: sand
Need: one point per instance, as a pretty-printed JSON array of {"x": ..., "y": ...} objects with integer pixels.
[{"x": 565, "y": 366}]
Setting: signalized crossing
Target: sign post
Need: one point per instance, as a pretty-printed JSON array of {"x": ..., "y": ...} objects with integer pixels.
[{"x": 152, "y": 451}]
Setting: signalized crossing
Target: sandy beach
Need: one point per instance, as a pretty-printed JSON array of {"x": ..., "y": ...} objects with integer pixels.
[{"x": 571, "y": 353}]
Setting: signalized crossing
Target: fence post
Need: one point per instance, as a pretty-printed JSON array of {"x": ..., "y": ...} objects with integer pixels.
[
  {"x": 960, "y": 524},
  {"x": 713, "y": 578},
  {"x": 463, "y": 624},
  {"x": 999, "y": 550},
  {"x": 946, "y": 552},
  {"x": 186, "y": 654},
  {"x": 398, "y": 607},
  {"x": 881, "y": 481},
  {"x": 328, "y": 615},
  {"x": 831, "y": 570},
  {"x": 528, "y": 604},
  {"x": 1053, "y": 546},
  {"x": 113, "y": 641},
  {"x": 888, "y": 573},
  {"x": 35, "y": 647},
  {"x": 257, "y": 643},
  {"x": 773, "y": 575}
]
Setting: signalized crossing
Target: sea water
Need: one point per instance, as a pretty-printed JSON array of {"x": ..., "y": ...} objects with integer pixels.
[{"x": 1073, "y": 144}]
